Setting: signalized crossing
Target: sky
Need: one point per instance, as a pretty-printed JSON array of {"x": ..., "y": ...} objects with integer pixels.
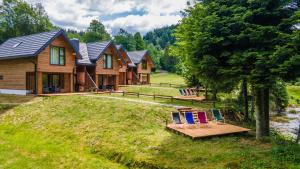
[{"x": 132, "y": 15}]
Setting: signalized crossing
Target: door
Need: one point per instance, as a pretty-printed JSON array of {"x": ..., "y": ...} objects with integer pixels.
[{"x": 30, "y": 81}]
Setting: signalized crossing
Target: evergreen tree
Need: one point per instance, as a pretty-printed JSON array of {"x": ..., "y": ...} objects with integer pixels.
[
  {"x": 96, "y": 32},
  {"x": 126, "y": 40},
  {"x": 139, "y": 42}
]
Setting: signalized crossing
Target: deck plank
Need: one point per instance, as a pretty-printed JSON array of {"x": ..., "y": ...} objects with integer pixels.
[{"x": 212, "y": 130}]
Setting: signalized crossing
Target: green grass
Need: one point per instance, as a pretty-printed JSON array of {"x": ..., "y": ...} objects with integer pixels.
[
  {"x": 92, "y": 132},
  {"x": 294, "y": 95},
  {"x": 167, "y": 78}
]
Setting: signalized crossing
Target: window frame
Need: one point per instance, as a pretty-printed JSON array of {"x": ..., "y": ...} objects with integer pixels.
[
  {"x": 105, "y": 61},
  {"x": 59, "y": 56}
]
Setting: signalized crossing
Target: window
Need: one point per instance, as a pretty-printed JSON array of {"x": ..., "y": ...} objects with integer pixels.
[
  {"x": 144, "y": 64},
  {"x": 107, "y": 62},
  {"x": 1, "y": 77},
  {"x": 57, "y": 56}
]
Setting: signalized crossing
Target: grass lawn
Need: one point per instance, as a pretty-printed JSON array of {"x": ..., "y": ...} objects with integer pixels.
[
  {"x": 167, "y": 78},
  {"x": 294, "y": 95},
  {"x": 92, "y": 132}
]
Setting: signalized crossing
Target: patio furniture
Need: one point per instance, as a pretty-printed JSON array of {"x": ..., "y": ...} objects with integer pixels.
[
  {"x": 202, "y": 118},
  {"x": 177, "y": 119},
  {"x": 189, "y": 118},
  {"x": 217, "y": 115},
  {"x": 181, "y": 92}
]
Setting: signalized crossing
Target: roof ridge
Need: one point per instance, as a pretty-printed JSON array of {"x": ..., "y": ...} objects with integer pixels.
[{"x": 56, "y": 30}]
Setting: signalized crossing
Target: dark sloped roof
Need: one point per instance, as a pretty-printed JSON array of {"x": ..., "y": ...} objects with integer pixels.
[
  {"x": 92, "y": 51},
  {"x": 96, "y": 49},
  {"x": 137, "y": 56},
  {"x": 28, "y": 46},
  {"x": 85, "y": 60}
]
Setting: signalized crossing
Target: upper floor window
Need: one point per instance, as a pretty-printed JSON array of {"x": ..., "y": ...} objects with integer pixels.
[
  {"x": 57, "y": 56},
  {"x": 107, "y": 62},
  {"x": 144, "y": 64},
  {"x": 1, "y": 77}
]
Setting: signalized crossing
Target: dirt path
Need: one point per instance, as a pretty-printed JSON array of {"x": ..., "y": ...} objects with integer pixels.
[{"x": 138, "y": 101}]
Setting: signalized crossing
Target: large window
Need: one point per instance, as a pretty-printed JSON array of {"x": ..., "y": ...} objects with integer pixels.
[
  {"x": 107, "y": 62},
  {"x": 144, "y": 64},
  {"x": 57, "y": 56}
]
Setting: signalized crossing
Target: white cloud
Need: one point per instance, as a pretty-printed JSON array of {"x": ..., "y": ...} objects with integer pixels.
[
  {"x": 143, "y": 23},
  {"x": 77, "y": 14}
]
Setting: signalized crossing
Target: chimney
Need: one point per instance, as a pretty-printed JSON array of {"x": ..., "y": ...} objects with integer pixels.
[{"x": 75, "y": 44}]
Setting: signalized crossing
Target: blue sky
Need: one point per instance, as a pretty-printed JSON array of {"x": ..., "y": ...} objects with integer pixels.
[{"x": 132, "y": 15}]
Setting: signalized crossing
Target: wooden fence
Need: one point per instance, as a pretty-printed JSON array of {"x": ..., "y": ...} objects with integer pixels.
[{"x": 157, "y": 96}]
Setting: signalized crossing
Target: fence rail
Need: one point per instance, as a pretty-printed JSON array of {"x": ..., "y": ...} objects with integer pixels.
[{"x": 157, "y": 96}]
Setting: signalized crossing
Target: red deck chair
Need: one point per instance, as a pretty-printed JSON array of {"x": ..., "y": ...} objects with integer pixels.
[{"x": 202, "y": 118}]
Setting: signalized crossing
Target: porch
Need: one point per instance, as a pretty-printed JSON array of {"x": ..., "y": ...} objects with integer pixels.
[{"x": 49, "y": 82}]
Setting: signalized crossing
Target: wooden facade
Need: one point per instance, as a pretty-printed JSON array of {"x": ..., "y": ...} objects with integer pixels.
[
  {"x": 96, "y": 76},
  {"x": 138, "y": 74},
  {"x": 26, "y": 74}
]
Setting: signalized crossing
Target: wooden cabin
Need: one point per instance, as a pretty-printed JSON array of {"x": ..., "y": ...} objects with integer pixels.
[
  {"x": 39, "y": 63},
  {"x": 140, "y": 71},
  {"x": 99, "y": 67}
]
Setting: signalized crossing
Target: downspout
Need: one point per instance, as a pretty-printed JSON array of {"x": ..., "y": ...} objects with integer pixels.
[{"x": 35, "y": 77}]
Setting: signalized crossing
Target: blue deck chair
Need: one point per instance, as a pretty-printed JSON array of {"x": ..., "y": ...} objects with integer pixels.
[
  {"x": 217, "y": 115},
  {"x": 176, "y": 118},
  {"x": 189, "y": 118}
]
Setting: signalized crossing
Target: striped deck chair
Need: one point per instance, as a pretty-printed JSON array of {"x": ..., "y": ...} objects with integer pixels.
[
  {"x": 177, "y": 119},
  {"x": 202, "y": 118},
  {"x": 189, "y": 118},
  {"x": 217, "y": 115},
  {"x": 181, "y": 92},
  {"x": 187, "y": 92},
  {"x": 190, "y": 91}
]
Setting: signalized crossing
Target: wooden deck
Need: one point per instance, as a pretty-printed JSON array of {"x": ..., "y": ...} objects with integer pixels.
[
  {"x": 195, "y": 98},
  {"x": 211, "y": 130}
]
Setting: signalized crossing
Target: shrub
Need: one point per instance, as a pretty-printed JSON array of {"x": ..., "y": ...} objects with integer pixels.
[{"x": 287, "y": 153}]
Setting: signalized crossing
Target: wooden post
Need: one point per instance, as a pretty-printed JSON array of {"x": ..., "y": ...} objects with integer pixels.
[
  {"x": 154, "y": 96},
  {"x": 138, "y": 95},
  {"x": 172, "y": 99},
  {"x": 123, "y": 93}
]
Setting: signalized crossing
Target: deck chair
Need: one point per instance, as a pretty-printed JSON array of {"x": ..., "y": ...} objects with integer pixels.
[
  {"x": 181, "y": 92},
  {"x": 190, "y": 91},
  {"x": 187, "y": 92},
  {"x": 217, "y": 115},
  {"x": 189, "y": 118},
  {"x": 202, "y": 118},
  {"x": 176, "y": 119}
]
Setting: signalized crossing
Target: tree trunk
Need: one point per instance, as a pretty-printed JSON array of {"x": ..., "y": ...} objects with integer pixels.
[
  {"x": 206, "y": 93},
  {"x": 252, "y": 102},
  {"x": 262, "y": 112},
  {"x": 245, "y": 95}
]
